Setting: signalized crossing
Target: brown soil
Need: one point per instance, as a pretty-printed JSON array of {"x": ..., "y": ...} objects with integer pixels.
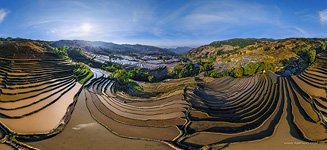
[
  {"x": 83, "y": 132},
  {"x": 5, "y": 147},
  {"x": 45, "y": 120}
]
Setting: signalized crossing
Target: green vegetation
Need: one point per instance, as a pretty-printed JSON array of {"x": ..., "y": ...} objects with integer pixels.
[
  {"x": 237, "y": 71},
  {"x": 250, "y": 69},
  {"x": 307, "y": 53},
  {"x": 185, "y": 69},
  {"x": 111, "y": 68},
  {"x": 292, "y": 54},
  {"x": 134, "y": 74},
  {"x": 311, "y": 55},
  {"x": 206, "y": 66},
  {"x": 301, "y": 50},
  {"x": 61, "y": 52},
  {"x": 265, "y": 66},
  {"x": 216, "y": 73},
  {"x": 122, "y": 76},
  {"x": 134, "y": 86},
  {"x": 241, "y": 43},
  {"x": 139, "y": 75},
  {"x": 323, "y": 46},
  {"x": 82, "y": 72}
]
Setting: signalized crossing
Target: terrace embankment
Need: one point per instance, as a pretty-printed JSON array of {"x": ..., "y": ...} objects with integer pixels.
[
  {"x": 40, "y": 91},
  {"x": 260, "y": 110},
  {"x": 218, "y": 113},
  {"x": 160, "y": 118},
  {"x": 37, "y": 93},
  {"x": 83, "y": 132}
]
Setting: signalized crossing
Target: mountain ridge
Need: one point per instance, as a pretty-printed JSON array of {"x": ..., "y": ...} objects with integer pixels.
[{"x": 101, "y": 47}]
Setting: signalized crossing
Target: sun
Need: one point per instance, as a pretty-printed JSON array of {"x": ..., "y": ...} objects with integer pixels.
[{"x": 86, "y": 27}]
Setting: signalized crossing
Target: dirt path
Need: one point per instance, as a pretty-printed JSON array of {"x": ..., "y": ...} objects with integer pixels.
[{"x": 83, "y": 133}]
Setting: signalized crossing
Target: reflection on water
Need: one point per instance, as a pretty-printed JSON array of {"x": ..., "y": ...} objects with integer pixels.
[{"x": 149, "y": 62}]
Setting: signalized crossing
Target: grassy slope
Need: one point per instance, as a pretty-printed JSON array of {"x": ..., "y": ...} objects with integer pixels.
[{"x": 240, "y": 51}]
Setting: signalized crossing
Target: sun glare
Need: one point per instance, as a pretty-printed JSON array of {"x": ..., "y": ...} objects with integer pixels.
[{"x": 86, "y": 27}]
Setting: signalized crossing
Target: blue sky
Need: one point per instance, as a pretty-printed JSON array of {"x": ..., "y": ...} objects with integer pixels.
[{"x": 165, "y": 23}]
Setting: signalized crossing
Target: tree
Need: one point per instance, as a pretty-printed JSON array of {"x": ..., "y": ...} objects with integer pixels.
[
  {"x": 138, "y": 74},
  {"x": 82, "y": 72},
  {"x": 311, "y": 55},
  {"x": 265, "y": 66},
  {"x": 122, "y": 76},
  {"x": 206, "y": 66},
  {"x": 301, "y": 50},
  {"x": 216, "y": 73},
  {"x": 237, "y": 72},
  {"x": 183, "y": 70},
  {"x": 250, "y": 69},
  {"x": 323, "y": 46},
  {"x": 61, "y": 52},
  {"x": 150, "y": 78}
]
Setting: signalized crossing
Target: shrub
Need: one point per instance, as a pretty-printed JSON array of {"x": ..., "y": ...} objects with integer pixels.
[
  {"x": 122, "y": 76},
  {"x": 111, "y": 68},
  {"x": 135, "y": 74},
  {"x": 206, "y": 66},
  {"x": 61, "y": 52},
  {"x": 183, "y": 70},
  {"x": 311, "y": 55},
  {"x": 237, "y": 72},
  {"x": 323, "y": 46},
  {"x": 265, "y": 66},
  {"x": 216, "y": 74},
  {"x": 82, "y": 72},
  {"x": 150, "y": 78},
  {"x": 138, "y": 74},
  {"x": 133, "y": 85},
  {"x": 250, "y": 69},
  {"x": 301, "y": 50}
]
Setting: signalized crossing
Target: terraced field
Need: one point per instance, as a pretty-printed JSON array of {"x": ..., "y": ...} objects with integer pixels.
[
  {"x": 216, "y": 112},
  {"x": 37, "y": 96},
  {"x": 136, "y": 117},
  {"x": 39, "y": 92},
  {"x": 307, "y": 93},
  {"x": 231, "y": 110}
]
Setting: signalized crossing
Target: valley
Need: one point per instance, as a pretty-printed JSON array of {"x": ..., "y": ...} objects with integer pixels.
[
  {"x": 69, "y": 98},
  {"x": 163, "y": 75}
]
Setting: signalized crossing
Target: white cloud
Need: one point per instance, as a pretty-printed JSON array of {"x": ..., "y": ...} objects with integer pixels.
[
  {"x": 209, "y": 18},
  {"x": 323, "y": 16},
  {"x": 3, "y": 14},
  {"x": 222, "y": 13}
]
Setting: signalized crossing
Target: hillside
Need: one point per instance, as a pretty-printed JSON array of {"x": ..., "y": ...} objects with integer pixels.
[
  {"x": 131, "y": 104},
  {"x": 35, "y": 83},
  {"x": 21, "y": 47},
  {"x": 180, "y": 50},
  {"x": 106, "y": 48},
  {"x": 26, "y": 48},
  {"x": 285, "y": 54}
]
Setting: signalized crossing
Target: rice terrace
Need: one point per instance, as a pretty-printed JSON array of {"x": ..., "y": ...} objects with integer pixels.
[{"x": 195, "y": 75}]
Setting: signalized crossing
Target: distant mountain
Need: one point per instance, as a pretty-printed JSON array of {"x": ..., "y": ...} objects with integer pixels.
[
  {"x": 180, "y": 50},
  {"x": 100, "y": 47}
]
